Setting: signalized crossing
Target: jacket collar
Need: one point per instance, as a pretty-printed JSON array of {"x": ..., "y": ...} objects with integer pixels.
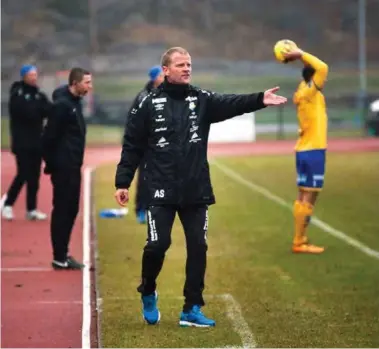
[
  {"x": 26, "y": 87},
  {"x": 70, "y": 95},
  {"x": 178, "y": 91}
]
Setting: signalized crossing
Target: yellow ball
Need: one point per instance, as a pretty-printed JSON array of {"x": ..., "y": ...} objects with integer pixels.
[{"x": 281, "y": 47}]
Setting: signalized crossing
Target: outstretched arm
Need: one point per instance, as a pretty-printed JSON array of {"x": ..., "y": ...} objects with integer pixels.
[{"x": 225, "y": 106}]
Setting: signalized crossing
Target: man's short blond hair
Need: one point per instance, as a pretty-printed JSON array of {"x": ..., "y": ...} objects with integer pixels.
[{"x": 166, "y": 57}]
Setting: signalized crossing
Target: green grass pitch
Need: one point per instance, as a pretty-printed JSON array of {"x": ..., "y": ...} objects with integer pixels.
[{"x": 256, "y": 289}]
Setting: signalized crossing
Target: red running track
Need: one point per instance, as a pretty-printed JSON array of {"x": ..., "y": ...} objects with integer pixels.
[{"x": 43, "y": 308}]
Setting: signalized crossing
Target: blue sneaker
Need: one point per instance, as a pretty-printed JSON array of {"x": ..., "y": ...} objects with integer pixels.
[
  {"x": 150, "y": 311},
  {"x": 141, "y": 217},
  {"x": 195, "y": 318}
]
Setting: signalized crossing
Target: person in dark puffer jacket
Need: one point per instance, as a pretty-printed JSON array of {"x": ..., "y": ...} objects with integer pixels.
[
  {"x": 28, "y": 108},
  {"x": 169, "y": 129}
]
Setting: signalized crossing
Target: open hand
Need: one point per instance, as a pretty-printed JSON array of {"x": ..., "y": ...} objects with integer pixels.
[
  {"x": 270, "y": 98},
  {"x": 122, "y": 196}
]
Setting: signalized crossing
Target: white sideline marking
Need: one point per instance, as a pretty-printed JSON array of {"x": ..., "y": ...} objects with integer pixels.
[
  {"x": 2, "y": 201},
  {"x": 316, "y": 221},
  {"x": 233, "y": 311},
  {"x": 86, "y": 325},
  {"x": 239, "y": 324}
]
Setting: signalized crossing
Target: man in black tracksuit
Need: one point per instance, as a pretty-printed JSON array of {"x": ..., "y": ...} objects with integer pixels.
[
  {"x": 156, "y": 78},
  {"x": 28, "y": 108},
  {"x": 170, "y": 129},
  {"x": 63, "y": 151}
]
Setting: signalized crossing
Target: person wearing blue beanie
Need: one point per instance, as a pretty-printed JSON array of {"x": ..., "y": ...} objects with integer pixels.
[
  {"x": 28, "y": 108},
  {"x": 155, "y": 72},
  {"x": 26, "y": 69}
]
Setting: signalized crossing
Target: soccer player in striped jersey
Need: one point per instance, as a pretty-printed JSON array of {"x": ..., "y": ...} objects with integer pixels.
[{"x": 311, "y": 145}]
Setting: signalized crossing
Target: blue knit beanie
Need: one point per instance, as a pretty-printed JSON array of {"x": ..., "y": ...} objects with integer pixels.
[
  {"x": 25, "y": 69},
  {"x": 154, "y": 72}
]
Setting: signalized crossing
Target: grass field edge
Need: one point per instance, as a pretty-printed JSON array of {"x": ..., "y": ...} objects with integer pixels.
[
  {"x": 90, "y": 317},
  {"x": 233, "y": 310},
  {"x": 96, "y": 267}
]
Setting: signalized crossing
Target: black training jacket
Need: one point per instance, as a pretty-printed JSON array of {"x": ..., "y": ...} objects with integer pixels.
[
  {"x": 28, "y": 107},
  {"x": 65, "y": 133},
  {"x": 142, "y": 94},
  {"x": 170, "y": 129}
]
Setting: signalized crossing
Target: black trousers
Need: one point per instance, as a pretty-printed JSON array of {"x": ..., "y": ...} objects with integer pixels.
[
  {"x": 28, "y": 171},
  {"x": 194, "y": 220},
  {"x": 141, "y": 192},
  {"x": 66, "y": 197}
]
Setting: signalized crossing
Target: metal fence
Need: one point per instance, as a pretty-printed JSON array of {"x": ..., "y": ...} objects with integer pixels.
[{"x": 230, "y": 43}]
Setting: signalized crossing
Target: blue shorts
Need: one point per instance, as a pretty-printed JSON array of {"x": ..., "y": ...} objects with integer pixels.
[{"x": 310, "y": 167}]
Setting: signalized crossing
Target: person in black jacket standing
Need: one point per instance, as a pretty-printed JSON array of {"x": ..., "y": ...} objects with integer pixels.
[
  {"x": 28, "y": 108},
  {"x": 170, "y": 129},
  {"x": 63, "y": 151},
  {"x": 156, "y": 78}
]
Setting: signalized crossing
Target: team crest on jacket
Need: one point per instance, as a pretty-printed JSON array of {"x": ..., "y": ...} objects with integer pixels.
[{"x": 192, "y": 106}]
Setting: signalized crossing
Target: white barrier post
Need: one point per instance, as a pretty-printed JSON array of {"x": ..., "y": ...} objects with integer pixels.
[{"x": 238, "y": 129}]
